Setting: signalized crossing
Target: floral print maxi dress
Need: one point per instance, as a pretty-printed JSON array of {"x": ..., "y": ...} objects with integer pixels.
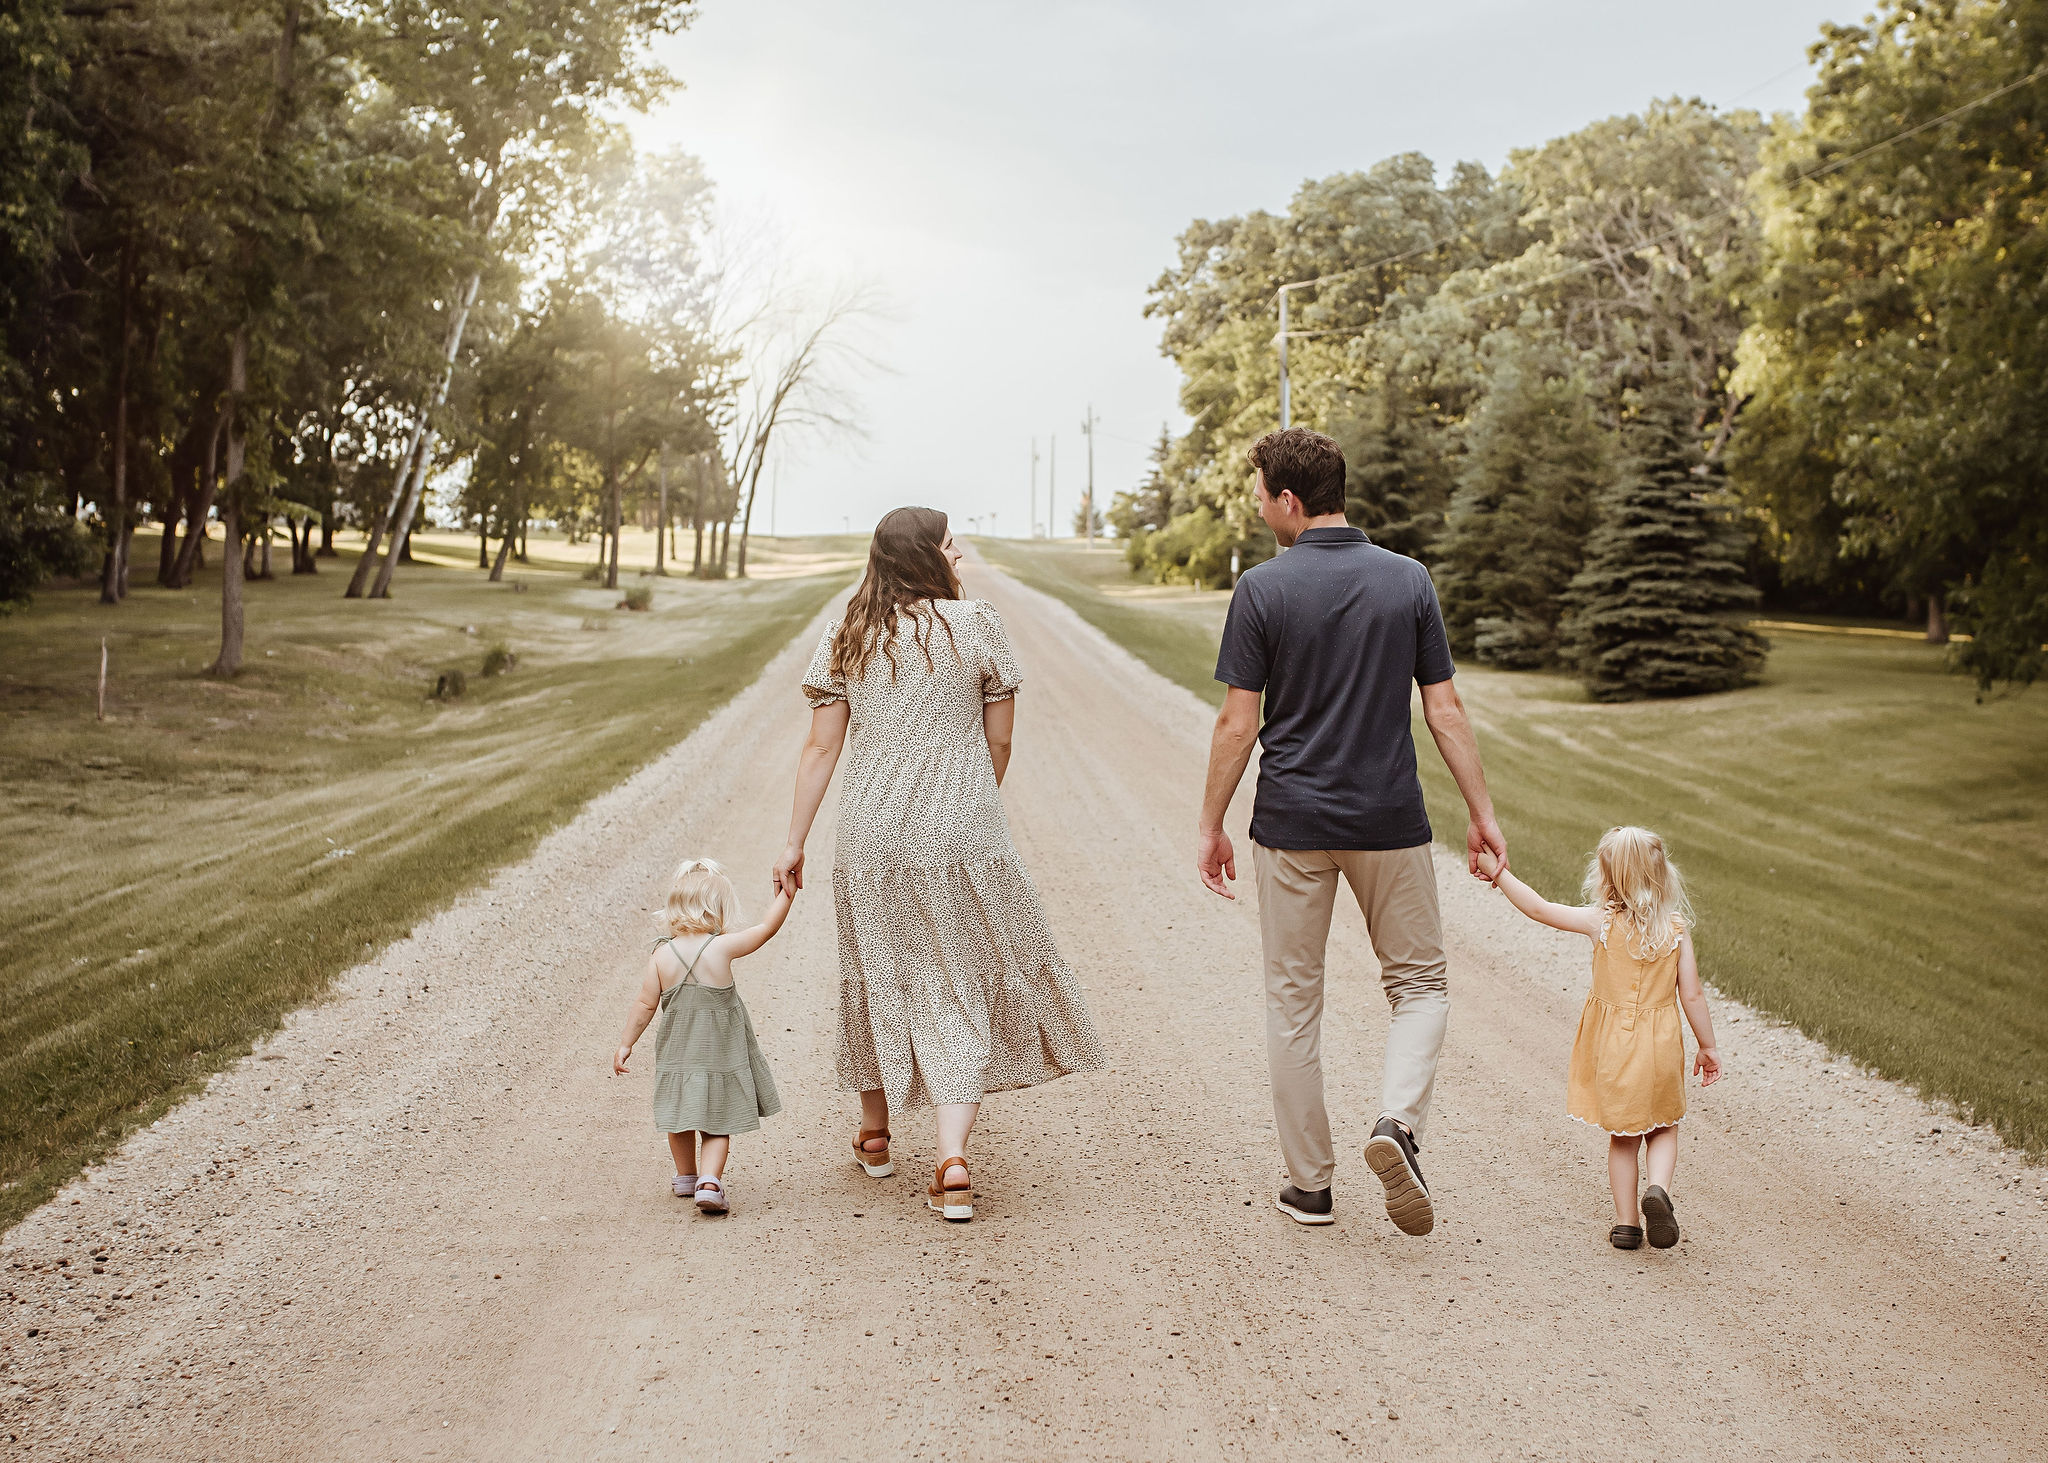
[{"x": 950, "y": 986}]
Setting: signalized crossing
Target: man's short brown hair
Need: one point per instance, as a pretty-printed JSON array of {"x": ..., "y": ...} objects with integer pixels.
[{"x": 1304, "y": 463}]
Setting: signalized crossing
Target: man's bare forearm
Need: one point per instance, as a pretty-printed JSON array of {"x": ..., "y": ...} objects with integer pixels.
[
  {"x": 1458, "y": 745},
  {"x": 1230, "y": 752}
]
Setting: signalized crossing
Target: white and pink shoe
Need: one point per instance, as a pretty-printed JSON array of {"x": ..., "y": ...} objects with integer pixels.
[
  {"x": 710, "y": 1196},
  {"x": 684, "y": 1185}
]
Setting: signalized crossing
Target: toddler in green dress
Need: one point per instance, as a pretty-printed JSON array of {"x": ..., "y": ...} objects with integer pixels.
[{"x": 710, "y": 1079}]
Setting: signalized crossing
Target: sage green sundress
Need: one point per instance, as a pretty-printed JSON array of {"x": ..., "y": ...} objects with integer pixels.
[{"x": 709, "y": 1074}]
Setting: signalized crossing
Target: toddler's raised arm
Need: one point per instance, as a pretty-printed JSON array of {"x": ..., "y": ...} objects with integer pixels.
[
  {"x": 1580, "y": 919},
  {"x": 747, "y": 941}
]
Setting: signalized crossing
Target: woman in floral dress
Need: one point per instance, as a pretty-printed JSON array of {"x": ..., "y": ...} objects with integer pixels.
[{"x": 950, "y": 986}]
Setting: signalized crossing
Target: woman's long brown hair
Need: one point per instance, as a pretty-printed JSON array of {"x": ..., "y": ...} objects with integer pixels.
[{"x": 906, "y": 572}]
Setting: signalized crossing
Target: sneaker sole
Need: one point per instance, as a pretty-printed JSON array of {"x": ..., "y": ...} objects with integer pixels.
[
  {"x": 1302, "y": 1216},
  {"x": 712, "y": 1208},
  {"x": 877, "y": 1170},
  {"x": 950, "y": 1212},
  {"x": 1407, "y": 1201},
  {"x": 1659, "y": 1227}
]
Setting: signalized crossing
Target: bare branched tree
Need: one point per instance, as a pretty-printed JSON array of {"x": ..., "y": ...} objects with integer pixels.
[{"x": 800, "y": 353}]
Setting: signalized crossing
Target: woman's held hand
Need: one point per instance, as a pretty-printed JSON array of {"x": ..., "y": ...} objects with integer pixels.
[{"x": 789, "y": 870}]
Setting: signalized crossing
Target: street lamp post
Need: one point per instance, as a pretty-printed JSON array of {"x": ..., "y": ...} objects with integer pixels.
[{"x": 1286, "y": 390}]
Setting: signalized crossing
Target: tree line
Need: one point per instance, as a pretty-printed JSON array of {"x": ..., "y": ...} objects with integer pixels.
[
  {"x": 279, "y": 265},
  {"x": 1665, "y": 366}
]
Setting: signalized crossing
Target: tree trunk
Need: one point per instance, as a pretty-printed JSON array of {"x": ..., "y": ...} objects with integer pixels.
[
  {"x": 265, "y": 573},
  {"x": 525, "y": 528},
  {"x": 192, "y": 552},
  {"x": 361, "y": 577},
  {"x": 483, "y": 541},
  {"x": 114, "y": 573},
  {"x": 401, "y": 529},
  {"x": 1937, "y": 619},
  {"x": 230, "y": 659},
  {"x": 127, "y": 540},
  {"x": 504, "y": 550},
  {"x": 167, "y": 546},
  {"x": 613, "y": 514},
  {"x": 661, "y": 516}
]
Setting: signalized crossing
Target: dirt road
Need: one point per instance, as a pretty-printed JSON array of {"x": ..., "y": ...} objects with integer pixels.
[{"x": 426, "y": 1222}]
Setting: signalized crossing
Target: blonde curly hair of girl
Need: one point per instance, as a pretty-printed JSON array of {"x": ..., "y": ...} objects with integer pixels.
[
  {"x": 1630, "y": 876},
  {"x": 701, "y": 900}
]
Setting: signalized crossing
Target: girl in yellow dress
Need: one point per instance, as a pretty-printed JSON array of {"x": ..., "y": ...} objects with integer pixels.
[{"x": 1628, "y": 1061}]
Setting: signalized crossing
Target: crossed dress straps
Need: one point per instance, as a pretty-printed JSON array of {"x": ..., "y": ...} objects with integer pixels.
[{"x": 690, "y": 965}]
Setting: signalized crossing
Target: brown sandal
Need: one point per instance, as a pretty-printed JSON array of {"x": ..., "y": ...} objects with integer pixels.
[
  {"x": 874, "y": 1165},
  {"x": 950, "y": 1201}
]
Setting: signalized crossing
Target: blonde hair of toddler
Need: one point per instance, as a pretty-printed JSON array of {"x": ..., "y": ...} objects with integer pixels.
[
  {"x": 701, "y": 899},
  {"x": 1630, "y": 875}
]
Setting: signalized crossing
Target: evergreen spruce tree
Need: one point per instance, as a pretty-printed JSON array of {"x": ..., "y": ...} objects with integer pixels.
[
  {"x": 1535, "y": 458},
  {"x": 1657, "y": 609},
  {"x": 1395, "y": 481}
]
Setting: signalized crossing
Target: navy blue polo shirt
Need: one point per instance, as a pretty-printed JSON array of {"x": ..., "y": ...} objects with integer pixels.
[{"x": 1333, "y": 632}]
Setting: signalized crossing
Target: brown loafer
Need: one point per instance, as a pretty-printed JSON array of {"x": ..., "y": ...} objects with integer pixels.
[{"x": 1625, "y": 1237}]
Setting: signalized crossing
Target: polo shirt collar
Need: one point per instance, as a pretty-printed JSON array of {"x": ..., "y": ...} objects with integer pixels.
[{"x": 1332, "y": 535}]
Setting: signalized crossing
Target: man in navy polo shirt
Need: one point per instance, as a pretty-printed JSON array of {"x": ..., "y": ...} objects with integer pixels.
[{"x": 1331, "y": 634}]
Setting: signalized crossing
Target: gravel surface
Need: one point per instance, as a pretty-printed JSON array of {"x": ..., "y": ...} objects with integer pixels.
[{"x": 424, "y": 1221}]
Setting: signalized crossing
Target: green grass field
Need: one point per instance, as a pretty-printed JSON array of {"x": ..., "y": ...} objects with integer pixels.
[
  {"x": 183, "y": 874},
  {"x": 1866, "y": 845}
]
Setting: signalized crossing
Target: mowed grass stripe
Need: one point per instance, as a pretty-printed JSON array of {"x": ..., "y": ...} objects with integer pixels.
[
  {"x": 1864, "y": 841},
  {"x": 194, "y": 825}
]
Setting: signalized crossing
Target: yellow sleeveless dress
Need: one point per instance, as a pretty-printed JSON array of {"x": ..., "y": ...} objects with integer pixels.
[{"x": 1628, "y": 1060}]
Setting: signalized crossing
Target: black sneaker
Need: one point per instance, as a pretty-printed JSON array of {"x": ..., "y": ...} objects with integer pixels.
[
  {"x": 1391, "y": 1154},
  {"x": 1658, "y": 1221},
  {"x": 1304, "y": 1206}
]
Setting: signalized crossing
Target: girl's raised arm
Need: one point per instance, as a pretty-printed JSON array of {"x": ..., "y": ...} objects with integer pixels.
[
  {"x": 1693, "y": 996},
  {"x": 747, "y": 941},
  {"x": 645, "y": 1004},
  {"x": 1579, "y": 919}
]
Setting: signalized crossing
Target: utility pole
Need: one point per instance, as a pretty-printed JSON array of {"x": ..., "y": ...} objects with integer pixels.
[
  {"x": 1031, "y": 524},
  {"x": 1088, "y": 502},
  {"x": 1052, "y": 486},
  {"x": 1286, "y": 412}
]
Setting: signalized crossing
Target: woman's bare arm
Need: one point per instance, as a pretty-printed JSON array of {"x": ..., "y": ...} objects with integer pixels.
[
  {"x": 1693, "y": 996},
  {"x": 1579, "y": 919},
  {"x": 999, "y": 720},
  {"x": 820, "y": 755}
]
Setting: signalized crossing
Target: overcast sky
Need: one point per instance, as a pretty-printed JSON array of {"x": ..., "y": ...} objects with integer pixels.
[{"x": 1012, "y": 176}]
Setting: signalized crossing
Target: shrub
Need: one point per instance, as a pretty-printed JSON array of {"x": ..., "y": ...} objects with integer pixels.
[
  {"x": 450, "y": 685},
  {"x": 499, "y": 659},
  {"x": 639, "y": 597},
  {"x": 1193, "y": 549},
  {"x": 595, "y": 571}
]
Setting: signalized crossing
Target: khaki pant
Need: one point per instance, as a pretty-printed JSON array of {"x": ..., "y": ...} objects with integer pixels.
[{"x": 1396, "y": 891}]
